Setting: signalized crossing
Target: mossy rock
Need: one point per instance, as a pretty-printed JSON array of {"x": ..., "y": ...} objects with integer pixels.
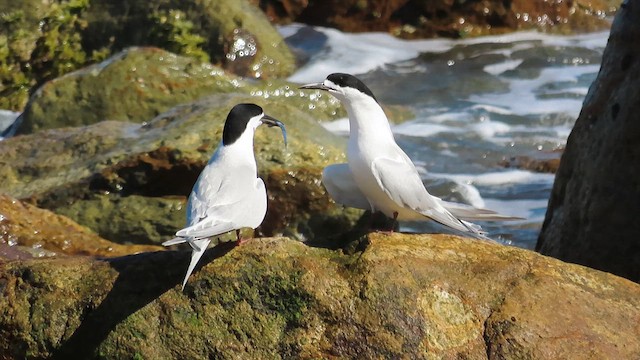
[
  {"x": 42, "y": 40},
  {"x": 416, "y": 296},
  {"x": 138, "y": 84}
]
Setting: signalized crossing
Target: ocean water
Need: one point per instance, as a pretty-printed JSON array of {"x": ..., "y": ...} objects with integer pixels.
[
  {"x": 6, "y": 119},
  {"x": 477, "y": 101}
]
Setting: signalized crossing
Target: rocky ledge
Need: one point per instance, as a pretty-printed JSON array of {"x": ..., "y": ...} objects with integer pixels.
[{"x": 395, "y": 295}]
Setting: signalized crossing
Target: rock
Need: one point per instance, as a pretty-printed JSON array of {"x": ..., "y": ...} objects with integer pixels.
[
  {"x": 548, "y": 164},
  {"x": 128, "y": 182},
  {"x": 419, "y": 19},
  {"x": 140, "y": 83},
  {"x": 234, "y": 34},
  {"x": 414, "y": 296},
  {"x": 26, "y": 231},
  {"x": 42, "y": 40},
  {"x": 591, "y": 218}
]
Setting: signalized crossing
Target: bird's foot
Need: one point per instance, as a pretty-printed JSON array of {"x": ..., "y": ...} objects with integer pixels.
[
  {"x": 241, "y": 241},
  {"x": 394, "y": 223}
]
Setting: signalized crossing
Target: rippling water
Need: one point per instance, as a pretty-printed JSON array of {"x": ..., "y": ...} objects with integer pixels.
[{"x": 477, "y": 102}]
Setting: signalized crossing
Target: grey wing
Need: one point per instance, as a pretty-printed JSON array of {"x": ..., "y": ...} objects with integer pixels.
[
  {"x": 208, "y": 226},
  {"x": 342, "y": 188},
  {"x": 254, "y": 207},
  {"x": 468, "y": 212},
  {"x": 246, "y": 209},
  {"x": 204, "y": 195},
  {"x": 401, "y": 182}
]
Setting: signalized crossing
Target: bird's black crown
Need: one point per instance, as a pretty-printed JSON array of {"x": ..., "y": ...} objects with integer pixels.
[
  {"x": 237, "y": 121},
  {"x": 347, "y": 80}
]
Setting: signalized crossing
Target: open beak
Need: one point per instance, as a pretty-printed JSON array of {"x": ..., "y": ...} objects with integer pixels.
[
  {"x": 316, "y": 86},
  {"x": 269, "y": 121}
]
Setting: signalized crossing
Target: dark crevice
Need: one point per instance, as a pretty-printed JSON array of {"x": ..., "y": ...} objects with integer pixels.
[
  {"x": 161, "y": 172},
  {"x": 615, "y": 109},
  {"x": 627, "y": 59}
]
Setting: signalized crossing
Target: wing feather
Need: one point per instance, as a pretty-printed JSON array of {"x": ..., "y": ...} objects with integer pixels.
[
  {"x": 339, "y": 182},
  {"x": 401, "y": 182}
]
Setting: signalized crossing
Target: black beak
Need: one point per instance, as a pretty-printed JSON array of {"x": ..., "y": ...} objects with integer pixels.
[
  {"x": 269, "y": 121},
  {"x": 316, "y": 86}
]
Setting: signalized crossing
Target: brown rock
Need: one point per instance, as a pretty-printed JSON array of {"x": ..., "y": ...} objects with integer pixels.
[
  {"x": 27, "y": 231},
  {"x": 592, "y": 218},
  {"x": 547, "y": 165},
  {"x": 404, "y": 296},
  {"x": 419, "y": 18}
]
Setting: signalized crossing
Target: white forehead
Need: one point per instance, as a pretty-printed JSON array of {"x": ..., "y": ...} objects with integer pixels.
[
  {"x": 345, "y": 90},
  {"x": 330, "y": 84}
]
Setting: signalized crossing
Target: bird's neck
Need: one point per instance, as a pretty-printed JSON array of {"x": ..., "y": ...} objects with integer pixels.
[
  {"x": 240, "y": 153},
  {"x": 368, "y": 121}
]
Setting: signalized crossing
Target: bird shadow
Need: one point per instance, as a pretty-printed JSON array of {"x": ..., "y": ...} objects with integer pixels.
[
  {"x": 141, "y": 279},
  {"x": 356, "y": 238}
]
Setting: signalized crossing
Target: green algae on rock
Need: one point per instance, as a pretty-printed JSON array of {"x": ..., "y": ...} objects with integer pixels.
[
  {"x": 87, "y": 172},
  {"x": 41, "y": 40},
  {"x": 134, "y": 85},
  {"x": 417, "y": 296},
  {"x": 138, "y": 84}
]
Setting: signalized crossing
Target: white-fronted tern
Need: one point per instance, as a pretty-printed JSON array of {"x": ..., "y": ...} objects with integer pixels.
[
  {"x": 228, "y": 194},
  {"x": 379, "y": 176}
]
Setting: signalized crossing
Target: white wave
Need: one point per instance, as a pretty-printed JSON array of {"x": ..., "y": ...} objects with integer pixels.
[
  {"x": 499, "y": 68},
  {"x": 488, "y": 129},
  {"x": 522, "y": 99},
  {"x": 470, "y": 194},
  {"x": 359, "y": 53},
  {"x": 340, "y": 126},
  {"x": 422, "y": 129},
  {"x": 492, "y": 109},
  {"x": 499, "y": 178},
  {"x": 447, "y": 116},
  {"x": 7, "y": 118}
]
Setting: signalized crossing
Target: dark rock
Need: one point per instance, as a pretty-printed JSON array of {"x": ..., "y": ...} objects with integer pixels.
[
  {"x": 592, "y": 213},
  {"x": 414, "y": 296}
]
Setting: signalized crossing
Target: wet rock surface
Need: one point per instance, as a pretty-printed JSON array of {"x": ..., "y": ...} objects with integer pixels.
[
  {"x": 42, "y": 40},
  {"x": 419, "y": 19},
  {"x": 591, "y": 218},
  {"x": 547, "y": 163},
  {"x": 399, "y": 295},
  {"x": 139, "y": 84},
  {"x": 27, "y": 231}
]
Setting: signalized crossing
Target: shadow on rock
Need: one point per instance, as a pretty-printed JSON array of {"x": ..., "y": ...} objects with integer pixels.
[
  {"x": 356, "y": 239},
  {"x": 142, "y": 278}
]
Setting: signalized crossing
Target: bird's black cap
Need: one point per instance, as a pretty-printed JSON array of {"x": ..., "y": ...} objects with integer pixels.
[
  {"x": 347, "y": 80},
  {"x": 237, "y": 121}
]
